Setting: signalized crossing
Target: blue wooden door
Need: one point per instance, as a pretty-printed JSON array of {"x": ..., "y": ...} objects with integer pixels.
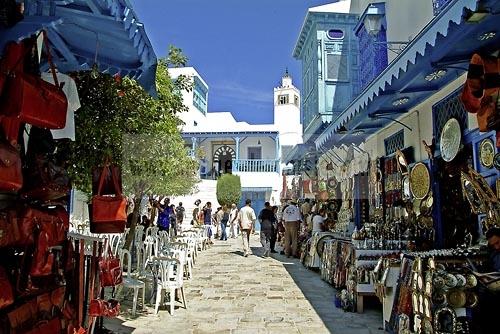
[{"x": 258, "y": 199}]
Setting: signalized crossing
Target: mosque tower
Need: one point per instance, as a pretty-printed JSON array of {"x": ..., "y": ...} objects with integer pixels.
[{"x": 287, "y": 112}]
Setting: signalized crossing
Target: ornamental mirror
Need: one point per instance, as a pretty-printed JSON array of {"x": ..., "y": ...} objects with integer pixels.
[{"x": 471, "y": 193}]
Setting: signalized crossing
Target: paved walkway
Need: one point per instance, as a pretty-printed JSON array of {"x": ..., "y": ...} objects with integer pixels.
[{"x": 233, "y": 294}]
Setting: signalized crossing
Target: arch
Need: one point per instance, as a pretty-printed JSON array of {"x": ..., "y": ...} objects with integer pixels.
[{"x": 222, "y": 151}]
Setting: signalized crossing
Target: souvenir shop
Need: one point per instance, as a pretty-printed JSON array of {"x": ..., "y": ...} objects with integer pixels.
[
  {"x": 415, "y": 179},
  {"x": 51, "y": 280}
]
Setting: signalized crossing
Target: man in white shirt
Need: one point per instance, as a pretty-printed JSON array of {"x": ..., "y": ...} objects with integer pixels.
[
  {"x": 233, "y": 221},
  {"x": 292, "y": 219},
  {"x": 318, "y": 221},
  {"x": 247, "y": 220}
]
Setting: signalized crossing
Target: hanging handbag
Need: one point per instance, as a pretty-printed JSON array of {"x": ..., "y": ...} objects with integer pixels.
[
  {"x": 11, "y": 177},
  {"x": 110, "y": 270},
  {"x": 109, "y": 213},
  {"x": 33, "y": 100},
  {"x": 16, "y": 228},
  {"x": 47, "y": 327},
  {"x": 45, "y": 180},
  {"x": 108, "y": 187},
  {"x": 6, "y": 292},
  {"x": 104, "y": 308}
]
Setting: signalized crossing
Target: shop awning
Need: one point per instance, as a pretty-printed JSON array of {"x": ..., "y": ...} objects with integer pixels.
[
  {"x": 435, "y": 57},
  {"x": 298, "y": 152},
  {"x": 84, "y": 32}
]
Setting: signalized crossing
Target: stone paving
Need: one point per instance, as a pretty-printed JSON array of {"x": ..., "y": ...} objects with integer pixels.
[{"x": 233, "y": 294}]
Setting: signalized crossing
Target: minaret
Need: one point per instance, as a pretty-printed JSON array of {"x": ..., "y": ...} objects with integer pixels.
[{"x": 287, "y": 112}]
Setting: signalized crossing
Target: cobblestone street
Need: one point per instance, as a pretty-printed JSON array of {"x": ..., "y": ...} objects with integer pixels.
[{"x": 233, "y": 294}]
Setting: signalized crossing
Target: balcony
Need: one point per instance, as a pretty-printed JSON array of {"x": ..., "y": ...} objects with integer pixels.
[
  {"x": 256, "y": 166},
  {"x": 438, "y": 5}
]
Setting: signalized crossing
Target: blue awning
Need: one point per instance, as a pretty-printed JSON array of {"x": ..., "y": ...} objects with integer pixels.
[
  {"x": 447, "y": 41},
  {"x": 83, "y": 32}
]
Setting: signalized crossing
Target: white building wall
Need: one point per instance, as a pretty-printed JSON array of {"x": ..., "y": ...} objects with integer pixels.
[
  {"x": 287, "y": 116},
  {"x": 420, "y": 120},
  {"x": 263, "y": 180},
  {"x": 268, "y": 147}
]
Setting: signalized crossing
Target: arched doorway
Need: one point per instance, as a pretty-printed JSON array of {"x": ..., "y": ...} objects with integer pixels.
[{"x": 224, "y": 157}]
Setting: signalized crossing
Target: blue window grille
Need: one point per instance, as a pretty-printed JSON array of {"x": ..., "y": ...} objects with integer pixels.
[
  {"x": 372, "y": 57},
  {"x": 449, "y": 107},
  {"x": 394, "y": 142},
  {"x": 438, "y": 5}
]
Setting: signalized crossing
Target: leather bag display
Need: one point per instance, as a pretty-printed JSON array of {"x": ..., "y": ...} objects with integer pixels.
[
  {"x": 108, "y": 187},
  {"x": 33, "y": 100},
  {"x": 6, "y": 291},
  {"x": 11, "y": 176},
  {"x": 104, "y": 308},
  {"x": 16, "y": 228},
  {"x": 108, "y": 212},
  {"x": 110, "y": 270}
]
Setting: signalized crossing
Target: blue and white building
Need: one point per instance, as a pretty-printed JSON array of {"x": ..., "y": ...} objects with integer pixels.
[{"x": 252, "y": 151}]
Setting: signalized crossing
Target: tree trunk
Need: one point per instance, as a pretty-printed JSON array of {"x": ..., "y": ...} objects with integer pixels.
[{"x": 133, "y": 223}]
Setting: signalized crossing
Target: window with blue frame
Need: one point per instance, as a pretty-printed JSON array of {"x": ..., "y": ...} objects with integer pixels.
[
  {"x": 200, "y": 95},
  {"x": 394, "y": 142}
]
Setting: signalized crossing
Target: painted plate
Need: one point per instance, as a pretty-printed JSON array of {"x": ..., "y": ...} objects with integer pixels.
[
  {"x": 496, "y": 161},
  {"x": 420, "y": 180},
  {"x": 451, "y": 137},
  {"x": 486, "y": 152}
]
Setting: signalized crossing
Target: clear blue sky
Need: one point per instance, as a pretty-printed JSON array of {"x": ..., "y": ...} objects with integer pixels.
[{"x": 240, "y": 47}]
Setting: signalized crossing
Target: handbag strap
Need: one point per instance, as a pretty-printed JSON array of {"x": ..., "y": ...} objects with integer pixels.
[
  {"x": 107, "y": 164},
  {"x": 49, "y": 58}
]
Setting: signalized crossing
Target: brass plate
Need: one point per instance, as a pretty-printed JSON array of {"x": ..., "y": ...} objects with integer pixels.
[
  {"x": 420, "y": 180},
  {"x": 486, "y": 152},
  {"x": 451, "y": 137}
]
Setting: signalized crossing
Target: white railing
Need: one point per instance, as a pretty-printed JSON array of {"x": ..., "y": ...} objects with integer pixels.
[{"x": 254, "y": 165}]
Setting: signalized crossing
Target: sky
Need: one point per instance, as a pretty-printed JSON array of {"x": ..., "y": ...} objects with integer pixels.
[{"x": 241, "y": 48}]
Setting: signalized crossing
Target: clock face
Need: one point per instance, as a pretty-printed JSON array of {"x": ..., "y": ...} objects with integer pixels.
[
  {"x": 451, "y": 136},
  {"x": 486, "y": 153}
]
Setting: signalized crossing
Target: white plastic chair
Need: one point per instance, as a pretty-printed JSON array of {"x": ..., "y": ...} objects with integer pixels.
[
  {"x": 129, "y": 281},
  {"x": 170, "y": 279}
]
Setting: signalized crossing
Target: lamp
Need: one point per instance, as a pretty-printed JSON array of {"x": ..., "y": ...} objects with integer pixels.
[
  {"x": 342, "y": 130},
  {"x": 258, "y": 142},
  {"x": 373, "y": 20}
]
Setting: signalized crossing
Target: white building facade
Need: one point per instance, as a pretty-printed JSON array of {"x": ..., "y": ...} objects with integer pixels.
[{"x": 252, "y": 151}]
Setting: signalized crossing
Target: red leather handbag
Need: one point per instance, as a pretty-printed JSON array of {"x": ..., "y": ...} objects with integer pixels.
[
  {"x": 16, "y": 228},
  {"x": 110, "y": 270},
  {"x": 109, "y": 212},
  {"x": 104, "y": 308},
  {"x": 47, "y": 327},
  {"x": 11, "y": 176},
  {"x": 33, "y": 100},
  {"x": 6, "y": 292}
]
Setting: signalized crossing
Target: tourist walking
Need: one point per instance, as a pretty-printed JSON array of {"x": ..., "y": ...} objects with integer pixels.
[
  {"x": 196, "y": 213},
  {"x": 233, "y": 221},
  {"x": 266, "y": 219},
  {"x": 217, "y": 219},
  {"x": 247, "y": 219},
  {"x": 291, "y": 218},
  {"x": 163, "y": 222},
  {"x": 274, "y": 231},
  {"x": 207, "y": 219},
  {"x": 223, "y": 222},
  {"x": 180, "y": 213}
]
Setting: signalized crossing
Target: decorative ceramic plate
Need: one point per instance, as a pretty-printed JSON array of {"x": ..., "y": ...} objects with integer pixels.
[
  {"x": 486, "y": 152},
  {"x": 420, "y": 180},
  {"x": 451, "y": 137},
  {"x": 496, "y": 161}
]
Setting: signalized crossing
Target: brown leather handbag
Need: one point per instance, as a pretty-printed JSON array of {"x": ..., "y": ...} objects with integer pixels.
[
  {"x": 16, "y": 227},
  {"x": 11, "y": 176},
  {"x": 109, "y": 214},
  {"x": 104, "y": 308},
  {"x": 6, "y": 291},
  {"x": 110, "y": 270},
  {"x": 33, "y": 100}
]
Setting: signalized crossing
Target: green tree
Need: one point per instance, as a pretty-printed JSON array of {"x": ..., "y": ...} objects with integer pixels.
[
  {"x": 118, "y": 119},
  {"x": 228, "y": 189}
]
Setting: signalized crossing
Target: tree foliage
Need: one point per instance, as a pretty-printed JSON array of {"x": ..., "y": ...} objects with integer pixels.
[
  {"x": 120, "y": 120},
  {"x": 228, "y": 189}
]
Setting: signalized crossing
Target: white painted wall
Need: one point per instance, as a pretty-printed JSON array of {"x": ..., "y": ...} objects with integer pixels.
[
  {"x": 420, "y": 120},
  {"x": 257, "y": 180},
  {"x": 287, "y": 116},
  {"x": 193, "y": 115},
  {"x": 268, "y": 147}
]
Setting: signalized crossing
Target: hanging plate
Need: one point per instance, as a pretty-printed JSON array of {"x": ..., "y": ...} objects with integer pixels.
[
  {"x": 486, "y": 153},
  {"x": 496, "y": 161},
  {"x": 450, "y": 140},
  {"x": 420, "y": 180}
]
